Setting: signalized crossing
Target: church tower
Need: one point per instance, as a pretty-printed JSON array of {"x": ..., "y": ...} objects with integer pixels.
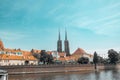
[
  {"x": 66, "y": 45},
  {"x": 59, "y": 43}
]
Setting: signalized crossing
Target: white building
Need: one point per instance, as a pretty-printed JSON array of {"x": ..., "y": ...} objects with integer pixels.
[
  {"x": 6, "y": 60},
  {"x": 55, "y": 54},
  {"x": 90, "y": 57}
]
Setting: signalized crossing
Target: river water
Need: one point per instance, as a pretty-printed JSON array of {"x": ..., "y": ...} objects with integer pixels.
[{"x": 100, "y": 75}]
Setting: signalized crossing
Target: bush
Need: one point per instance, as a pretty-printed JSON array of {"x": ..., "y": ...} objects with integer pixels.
[{"x": 83, "y": 60}]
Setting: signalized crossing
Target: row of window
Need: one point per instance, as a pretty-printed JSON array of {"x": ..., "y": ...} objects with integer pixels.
[{"x": 15, "y": 53}]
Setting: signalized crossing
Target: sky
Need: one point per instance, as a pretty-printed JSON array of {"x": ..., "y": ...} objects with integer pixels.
[{"x": 93, "y": 25}]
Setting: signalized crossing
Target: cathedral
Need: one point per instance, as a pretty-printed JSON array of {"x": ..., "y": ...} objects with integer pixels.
[{"x": 66, "y": 44}]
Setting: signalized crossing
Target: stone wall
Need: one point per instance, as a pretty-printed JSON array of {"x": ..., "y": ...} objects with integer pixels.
[{"x": 53, "y": 68}]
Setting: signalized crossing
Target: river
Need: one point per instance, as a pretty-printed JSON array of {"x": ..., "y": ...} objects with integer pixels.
[{"x": 100, "y": 75}]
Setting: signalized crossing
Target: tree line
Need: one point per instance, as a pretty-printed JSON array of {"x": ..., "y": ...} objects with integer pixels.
[{"x": 113, "y": 58}]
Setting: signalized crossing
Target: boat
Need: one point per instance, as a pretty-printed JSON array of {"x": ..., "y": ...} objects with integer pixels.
[{"x": 3, "y": 75}]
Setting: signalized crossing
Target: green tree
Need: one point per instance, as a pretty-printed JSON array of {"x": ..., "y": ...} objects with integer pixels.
[
  {"x": 100, "y": 59},
  {"x": 113, "y": 56},
  {"x": 45, "y": 57},
  {"x": 36, "y": 55},
  {"x": 95, "y": 59},
  {"x": 83, "y": 60},
  {"x": 50, "y": 59}
]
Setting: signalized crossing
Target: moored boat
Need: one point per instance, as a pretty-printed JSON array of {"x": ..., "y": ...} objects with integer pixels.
[{"x": 3, "y": 75}]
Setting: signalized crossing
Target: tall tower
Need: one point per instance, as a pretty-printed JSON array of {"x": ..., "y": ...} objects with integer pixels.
[
  {"x": 59, "y": 43},
  {"x": 66, "y": 45}
]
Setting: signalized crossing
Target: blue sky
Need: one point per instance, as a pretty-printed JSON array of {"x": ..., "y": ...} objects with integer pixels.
[{"x": 93, "y": 25}]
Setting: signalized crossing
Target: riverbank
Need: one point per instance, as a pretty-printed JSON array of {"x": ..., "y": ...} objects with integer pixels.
[{"x": 38, "y": 69}]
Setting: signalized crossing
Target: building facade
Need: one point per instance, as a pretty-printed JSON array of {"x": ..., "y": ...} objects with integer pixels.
[{"x": 16, "y": 57}]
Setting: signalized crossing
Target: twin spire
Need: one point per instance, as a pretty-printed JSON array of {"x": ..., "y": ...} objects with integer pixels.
[
  {"x": 66, "y": 44},
  {"x": 65, "y": 34},
  {"x": 59, "y": 35},
  {"x": 59, "y": 38}
]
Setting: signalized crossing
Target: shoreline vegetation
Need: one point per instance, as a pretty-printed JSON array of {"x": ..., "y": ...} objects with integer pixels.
[{"x": 61, "y": 68}]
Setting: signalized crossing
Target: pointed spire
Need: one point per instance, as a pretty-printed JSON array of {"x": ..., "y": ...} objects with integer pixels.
[
  {"x": 59, "y": 42},
  {"x": 59, "y": 34},
  {"x": 65, "y": 34}
]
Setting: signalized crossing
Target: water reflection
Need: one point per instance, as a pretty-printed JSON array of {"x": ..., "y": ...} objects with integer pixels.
[{"x": 100, "y": 75}]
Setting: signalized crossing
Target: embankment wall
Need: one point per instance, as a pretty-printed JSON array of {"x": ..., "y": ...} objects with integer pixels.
[{"x": 55, "y": 68}]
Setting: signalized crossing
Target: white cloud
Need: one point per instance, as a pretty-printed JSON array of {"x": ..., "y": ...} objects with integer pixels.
[
  {"x": 104, "y": 25},
  {"x": 7, "y": 35},
  {"x": 86, "y": 21}
]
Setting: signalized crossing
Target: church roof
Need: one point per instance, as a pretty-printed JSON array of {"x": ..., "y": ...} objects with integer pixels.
[{"x": 79, "y": 51}]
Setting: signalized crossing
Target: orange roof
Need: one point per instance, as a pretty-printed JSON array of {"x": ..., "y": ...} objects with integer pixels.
[
  {"x": 49, "y": 52},
  {"x": 66, "y": 58},
  {"x": 0, "y": 49},
  {"x": 62, "y": 59},
  {"x": 10, "y": 57},
  {"x": 70, "y": 58},
  {"x": 79, "y": 51},
  {"x": 62, "y": 54},
  {"x": 29, "y": 58},
  {"x": 10, "y": 50},
  {"x": 15, "y": 57},
  {"x": 25, "y": 53},
  {"x": 36, "y": 51}
]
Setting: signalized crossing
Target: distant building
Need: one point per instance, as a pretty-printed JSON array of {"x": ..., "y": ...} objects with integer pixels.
[
  {"x": 65, "y": 55},
  {"x": 15, "y": 57},
  {"x": 66, "y": 45},
  {"x": 59, "y": 44},
  {"x": 55, "y": 55},
  {"x": 81, "y": 53},
  {"x": 6, "y": 60}
]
